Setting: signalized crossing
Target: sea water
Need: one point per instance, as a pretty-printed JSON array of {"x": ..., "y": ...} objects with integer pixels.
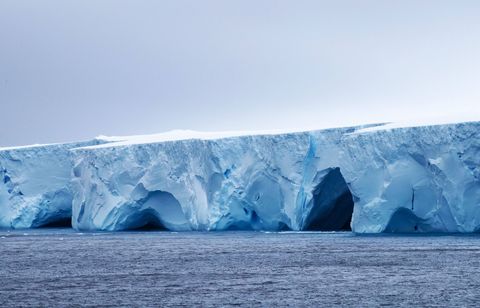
[{"x": 61, "y": 267}]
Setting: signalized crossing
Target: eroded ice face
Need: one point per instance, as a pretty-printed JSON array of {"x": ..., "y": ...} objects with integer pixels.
[
  {"x": 35, "y": 186},
  {"x": 417, "y": 179},
  {"x": 410, "y": 179}
]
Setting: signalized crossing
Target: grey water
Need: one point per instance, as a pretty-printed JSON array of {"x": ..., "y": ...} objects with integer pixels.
[{"x": 61, "y": 267}]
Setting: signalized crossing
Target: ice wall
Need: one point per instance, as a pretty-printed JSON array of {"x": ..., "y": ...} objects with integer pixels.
[
  {"x": 423, "y": 179},
  {"x": 35, "y": 185},
  {"x": 376, "y": 179},
  {"x": 412, "y": 179}
]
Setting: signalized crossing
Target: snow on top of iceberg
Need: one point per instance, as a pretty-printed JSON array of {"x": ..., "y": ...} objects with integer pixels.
[
  {"x": 47, "y": 145},
  {"x": 176, "y": 135},
  {"x": 173, "y": 135},
  {"x": 420, "y": 122},
  {"x": 30, "y": 146}
]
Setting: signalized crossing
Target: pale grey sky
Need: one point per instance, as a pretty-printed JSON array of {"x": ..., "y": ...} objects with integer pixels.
[{"x": 71, "y": 70}]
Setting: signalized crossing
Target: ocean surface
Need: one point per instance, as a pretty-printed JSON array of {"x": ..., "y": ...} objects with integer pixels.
[{"x": 61, "y": 267}]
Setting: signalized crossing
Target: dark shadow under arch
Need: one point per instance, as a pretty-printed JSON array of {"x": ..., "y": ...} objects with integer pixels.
[
  {"x": 333, "y": 204},
  {"x": 145, "y": 220},
  {"x": 404, "y": 220},
  {"x": 65, "y": 222}
]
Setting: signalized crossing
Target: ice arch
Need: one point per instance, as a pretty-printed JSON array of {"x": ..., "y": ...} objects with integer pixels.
[
  {"x": 404, "y": 220},
  {"x": 159, "y": 210}
]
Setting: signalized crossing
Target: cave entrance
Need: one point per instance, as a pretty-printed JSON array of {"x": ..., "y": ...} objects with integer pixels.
[
  {"x": 150, "y": 226},
  {"x": 58, "y": 223},
  {"x": 332, "y": 206},
  {"x": 157, "y": 211},
  {"x": 147, "y": 220}
]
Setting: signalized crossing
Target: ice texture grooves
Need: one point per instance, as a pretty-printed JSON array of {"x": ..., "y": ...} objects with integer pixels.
[
  {"x": 35, "y": 188},
  {"x": 414, "y": 179}
]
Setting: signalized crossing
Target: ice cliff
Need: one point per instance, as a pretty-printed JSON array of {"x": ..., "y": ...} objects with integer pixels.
[
  {"x": 373, "y": 179},
  {"x": 35, "y": 188},
  {"x": 411, "y": 179}
]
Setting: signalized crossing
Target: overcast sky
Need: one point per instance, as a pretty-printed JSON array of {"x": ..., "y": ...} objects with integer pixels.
[{"x": 71, "y": 70}]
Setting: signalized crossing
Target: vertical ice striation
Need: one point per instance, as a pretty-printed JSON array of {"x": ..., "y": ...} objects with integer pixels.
[
  {"x": 35, "y": 185},
  {"x": 234, "y": 183},
  {"x": 417, "y": 179}
]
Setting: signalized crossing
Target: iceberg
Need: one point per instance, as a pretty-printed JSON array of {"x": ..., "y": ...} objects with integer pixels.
[{"x": 368, "y": 179}]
